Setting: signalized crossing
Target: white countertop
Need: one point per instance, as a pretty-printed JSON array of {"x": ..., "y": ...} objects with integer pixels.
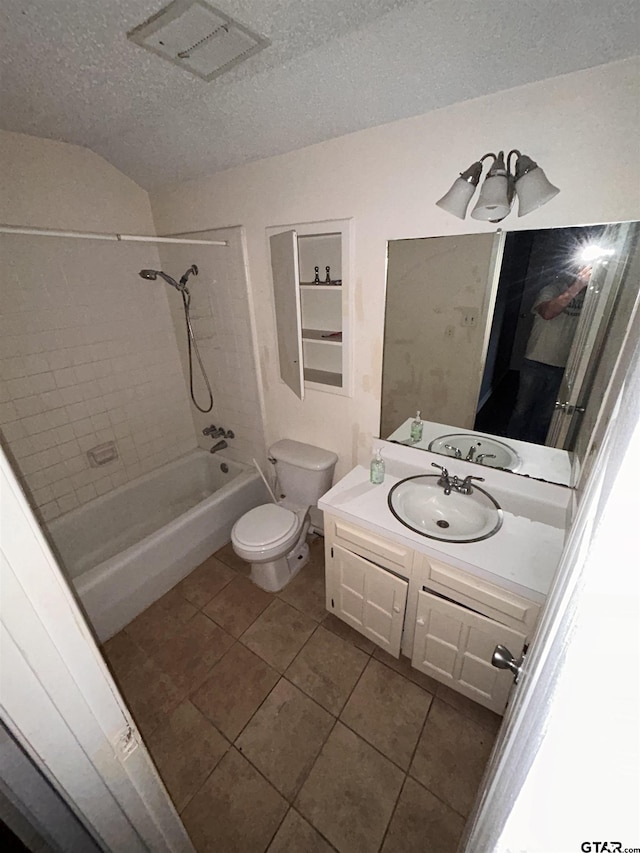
[{"x": 522, "y": 556}]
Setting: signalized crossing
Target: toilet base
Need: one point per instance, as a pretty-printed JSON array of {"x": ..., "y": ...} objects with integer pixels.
[{"x": 276, "y": 574}]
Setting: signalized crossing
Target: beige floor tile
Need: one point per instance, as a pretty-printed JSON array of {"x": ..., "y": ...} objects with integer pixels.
[
  {"x": 478, "y": 713},
  {"x": 388, "y": 711},
  {"x": 160, "y": 621},
  {"x": 235, "y": 811},
  {"x": 297, "y": 836},
  {"x": 285, "y": 736},
  {"x": 327, "y": 669},
  {"x": 188, "y": 655},
  {"x": 346, "y": 632},
  {"x": 306, "y": 591},
  {"x": 150, "y": 694},
  {"x": 238, "y": 605},
  {"x": 122, "y": 654},
  {"x": 185, "y": 748},
  {"x": 205, "y": 581},
  {"x": 451, "y": 756},
  {"x": 350, "y": 793},
  {"x": 403, "y": 666},
  {"x": 278, "y": 634},
  {"x": 235, "y": 688},
  {"x": 422, "y": 823},
  {"x": 228, "y": 556}
]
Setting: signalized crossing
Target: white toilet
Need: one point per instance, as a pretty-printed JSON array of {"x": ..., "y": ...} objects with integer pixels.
[{"x": 273, "y": 537}]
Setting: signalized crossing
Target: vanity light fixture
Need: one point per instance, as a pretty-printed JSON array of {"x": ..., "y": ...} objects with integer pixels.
[{"x": 526, "y": 180}]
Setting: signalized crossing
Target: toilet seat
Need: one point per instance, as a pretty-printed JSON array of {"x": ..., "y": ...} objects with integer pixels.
[{"x": 267, "y": 526}]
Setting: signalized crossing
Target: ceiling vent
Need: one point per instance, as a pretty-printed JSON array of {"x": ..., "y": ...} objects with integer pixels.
[{"x": 195, "y": 36}]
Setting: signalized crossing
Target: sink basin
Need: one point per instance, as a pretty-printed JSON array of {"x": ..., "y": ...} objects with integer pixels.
[
  {"x": 421, "y": 505},
  {"x": 505, "y": 456}
]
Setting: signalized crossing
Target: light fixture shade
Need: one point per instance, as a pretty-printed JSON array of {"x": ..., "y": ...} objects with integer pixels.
[
  {"x": 533, "y": 189},
  {"x": 457, "y": 199},
  {"x": 493, "y": 203}
]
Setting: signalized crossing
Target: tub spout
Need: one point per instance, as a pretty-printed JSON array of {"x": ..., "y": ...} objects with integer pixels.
[{"x": 219, "y": 445}]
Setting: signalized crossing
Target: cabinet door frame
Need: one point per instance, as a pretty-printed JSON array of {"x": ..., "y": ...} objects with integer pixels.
[{"x": 343, "y": 227}]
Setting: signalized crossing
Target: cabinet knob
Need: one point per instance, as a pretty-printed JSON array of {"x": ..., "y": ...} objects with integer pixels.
[
  {"x": 420, "y": 621},
  {"x": 396, "y": 608}
]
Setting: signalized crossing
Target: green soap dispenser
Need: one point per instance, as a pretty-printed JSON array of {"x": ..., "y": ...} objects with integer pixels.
[
  {"x": 416, "y": 428},
  {"x": 376, "y": 474}
]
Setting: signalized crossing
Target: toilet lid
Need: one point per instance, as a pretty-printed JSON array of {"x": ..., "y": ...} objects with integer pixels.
[{"x": 264, "y": 525}]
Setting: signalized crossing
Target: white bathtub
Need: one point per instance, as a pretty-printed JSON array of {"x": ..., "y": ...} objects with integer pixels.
[{"x": 124, "y": 550}]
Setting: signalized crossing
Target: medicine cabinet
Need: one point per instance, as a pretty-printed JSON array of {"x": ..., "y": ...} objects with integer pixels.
[{"x": 310, "y": 265}]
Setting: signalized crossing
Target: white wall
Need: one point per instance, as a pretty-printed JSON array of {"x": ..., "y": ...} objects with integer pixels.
[
  {"x": 581, "y": 127},
  {"x": 88, "y": 352}
]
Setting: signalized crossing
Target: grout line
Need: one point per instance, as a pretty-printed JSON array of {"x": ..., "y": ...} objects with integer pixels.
[{"x": 393, "y": 812}]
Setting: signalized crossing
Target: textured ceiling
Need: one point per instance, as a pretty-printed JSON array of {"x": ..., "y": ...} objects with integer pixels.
[{"x": 68, "y": 72}]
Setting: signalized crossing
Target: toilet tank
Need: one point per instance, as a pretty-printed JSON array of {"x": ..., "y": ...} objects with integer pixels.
[{"x": 305, "y": 472}]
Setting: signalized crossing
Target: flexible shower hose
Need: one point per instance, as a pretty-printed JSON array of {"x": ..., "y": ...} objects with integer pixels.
[{"x": 192, "y": 346}]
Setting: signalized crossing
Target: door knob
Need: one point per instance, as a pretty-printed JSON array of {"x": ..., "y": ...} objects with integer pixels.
[{"x": 503, "y": 659}]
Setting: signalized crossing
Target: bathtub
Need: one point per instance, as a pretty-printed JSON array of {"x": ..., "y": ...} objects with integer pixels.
[{"x": 124, "y": 550}]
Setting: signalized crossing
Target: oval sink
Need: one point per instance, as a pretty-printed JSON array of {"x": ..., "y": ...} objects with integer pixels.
[
  {"x": 485, "y": 446},
  {"x": 421, "y": 505}
]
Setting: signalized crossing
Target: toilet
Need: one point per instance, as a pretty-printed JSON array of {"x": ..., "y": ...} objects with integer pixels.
[{"x": 273, "y": 537}]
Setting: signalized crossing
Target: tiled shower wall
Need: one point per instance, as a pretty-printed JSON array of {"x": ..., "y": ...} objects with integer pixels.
[
  {"x": 222, "y": 324},
  {"x": 88, "y": 355}
]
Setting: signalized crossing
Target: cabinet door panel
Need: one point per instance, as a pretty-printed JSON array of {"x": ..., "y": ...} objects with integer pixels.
[
  {"x": 369, "y": 599},
  {"x": 454, "y": 645},
  {"x": 286, "y": 294}
]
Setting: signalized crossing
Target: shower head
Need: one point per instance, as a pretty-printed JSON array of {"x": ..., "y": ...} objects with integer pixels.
[
  {"x": 193, "y": 270},
  {"x": 152, "y": 275}
]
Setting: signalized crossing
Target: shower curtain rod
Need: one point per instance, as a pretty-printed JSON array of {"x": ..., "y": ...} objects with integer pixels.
[{"x": 124, "y": 238}]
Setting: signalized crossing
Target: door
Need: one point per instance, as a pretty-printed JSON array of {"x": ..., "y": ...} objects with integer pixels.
[
  {"x": 454, "y": 645},
  {"x": 595, "y": 316},
  {"x": 563, "y": 772},
  {"x": 286, "y": 295},
  {"x": 370, "y": 599}
]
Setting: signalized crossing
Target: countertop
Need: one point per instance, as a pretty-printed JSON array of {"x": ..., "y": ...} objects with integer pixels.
[{"x": 522, "y": 556}]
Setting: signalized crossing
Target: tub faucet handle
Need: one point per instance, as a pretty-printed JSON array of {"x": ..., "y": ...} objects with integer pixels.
[{"x": 209, "y": 430}]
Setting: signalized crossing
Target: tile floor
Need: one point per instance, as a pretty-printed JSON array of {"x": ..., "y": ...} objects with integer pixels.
[{"x": 278, "y": 728}]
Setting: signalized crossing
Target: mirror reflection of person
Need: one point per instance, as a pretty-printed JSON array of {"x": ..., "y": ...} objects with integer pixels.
[{"x": 556, "y": 311}]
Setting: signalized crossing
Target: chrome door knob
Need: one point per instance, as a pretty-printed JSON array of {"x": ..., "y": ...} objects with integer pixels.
[{"x": 503, "y": 659}]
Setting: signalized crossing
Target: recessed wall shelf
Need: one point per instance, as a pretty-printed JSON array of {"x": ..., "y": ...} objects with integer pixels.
[{"x": 312, "y": 319}]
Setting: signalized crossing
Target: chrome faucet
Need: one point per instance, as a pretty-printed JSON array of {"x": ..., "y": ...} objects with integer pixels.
[
  {"x": 482, "y": 456},
  {"x": 454, "y": 483},
  {"x": 456, "y": 450},
  {"x": 218, "y": 432},
  {"x": 443, "y": 480},
  {"x": 220, "y": 445}
]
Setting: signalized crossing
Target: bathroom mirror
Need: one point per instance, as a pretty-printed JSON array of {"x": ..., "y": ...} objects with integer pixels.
[{"x": 465, "y": 341}]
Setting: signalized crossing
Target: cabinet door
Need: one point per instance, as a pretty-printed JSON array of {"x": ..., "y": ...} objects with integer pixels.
[
  {"x": 368, "y": 598},
  {"x": 454, "y": 645},
  {"x": 286, "y": 294}
]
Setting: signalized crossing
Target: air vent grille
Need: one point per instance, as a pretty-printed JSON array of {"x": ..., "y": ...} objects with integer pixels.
[{"x": 198, "y": 38}]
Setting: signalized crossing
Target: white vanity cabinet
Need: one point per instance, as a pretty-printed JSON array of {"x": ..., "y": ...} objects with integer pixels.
[
  {"x": 446, "y": 620},
  {"x": 312, "y": 317}
]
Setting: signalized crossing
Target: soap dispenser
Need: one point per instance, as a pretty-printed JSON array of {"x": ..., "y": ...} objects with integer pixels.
[
  {"x": 377, "y": 468},
  {"x": 416, "y": 428}
]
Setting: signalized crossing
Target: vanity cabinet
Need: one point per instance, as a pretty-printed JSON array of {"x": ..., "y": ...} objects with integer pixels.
[
  {"x": 312, "y": 317},
  {"x": 446, "y": 620}
]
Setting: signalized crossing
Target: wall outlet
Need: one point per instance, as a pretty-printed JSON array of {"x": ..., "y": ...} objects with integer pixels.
[
  {"x": 449, "y": 332},
  {"x": 469, "y": 317}
]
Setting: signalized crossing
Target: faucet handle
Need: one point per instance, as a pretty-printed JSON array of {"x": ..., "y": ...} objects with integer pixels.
[
  {"x": 445, "y": 473},
  {"x": 209, "y": 430},
  {"x": 465, "y": 485}
]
